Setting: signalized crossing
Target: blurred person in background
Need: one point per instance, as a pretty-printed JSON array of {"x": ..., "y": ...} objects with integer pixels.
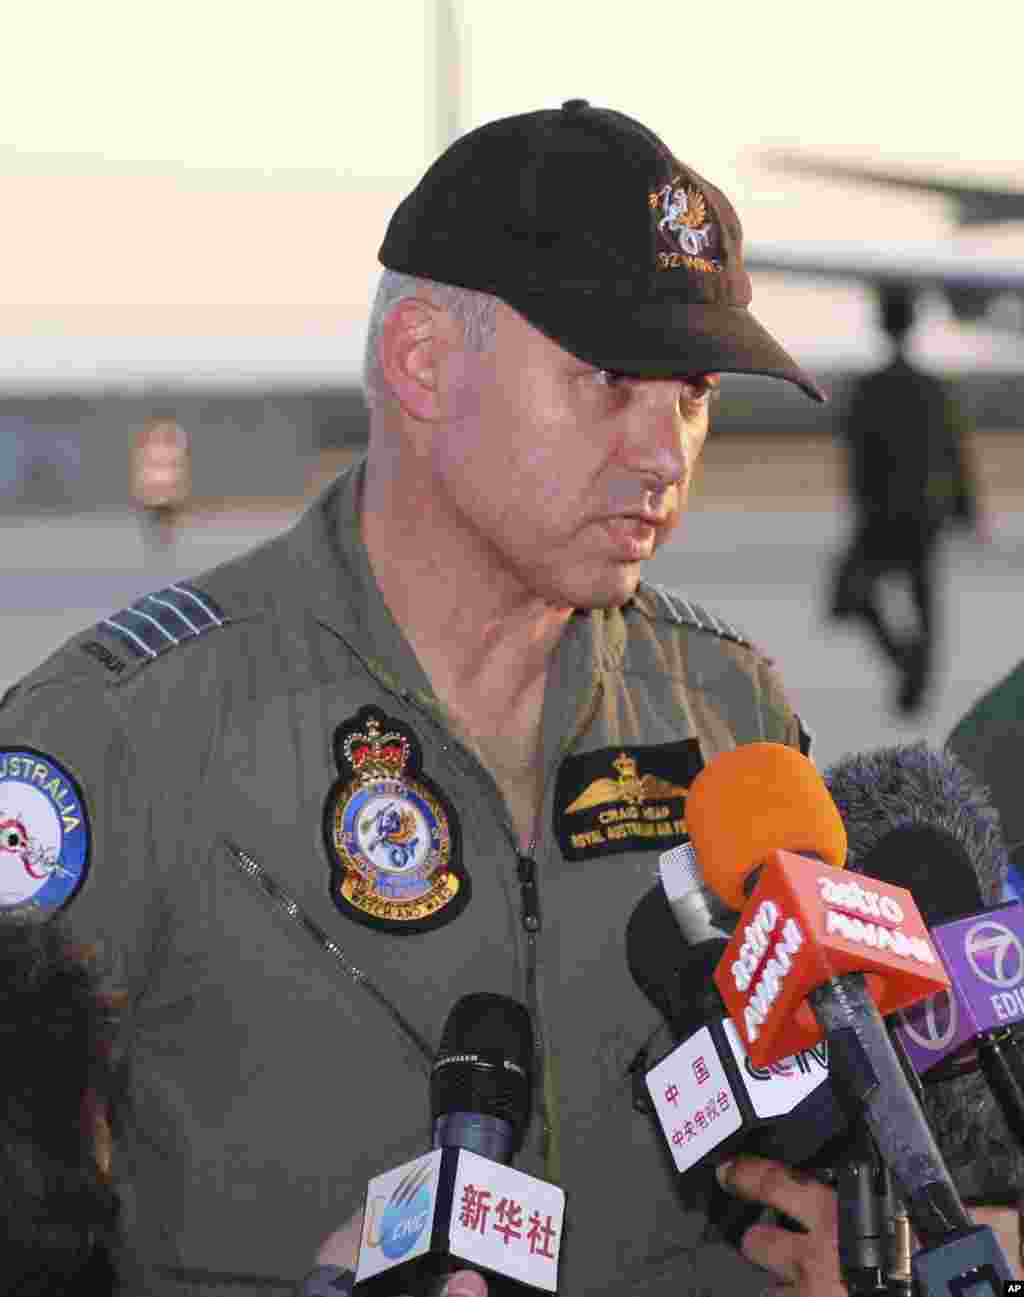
[
  {"x": 161, "y": 478},
  {"x": 910, "y": 480}
]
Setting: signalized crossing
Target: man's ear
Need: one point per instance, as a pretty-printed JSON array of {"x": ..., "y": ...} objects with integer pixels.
[{"x": 413, "y": 341}]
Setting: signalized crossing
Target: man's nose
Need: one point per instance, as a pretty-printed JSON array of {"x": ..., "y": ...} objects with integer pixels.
[{"x": 656, "y": 440}]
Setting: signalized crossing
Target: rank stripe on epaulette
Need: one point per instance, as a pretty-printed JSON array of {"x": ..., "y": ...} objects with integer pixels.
[
  {"x": 160, "y": 621},
  {"x": 690, "y": 614}
]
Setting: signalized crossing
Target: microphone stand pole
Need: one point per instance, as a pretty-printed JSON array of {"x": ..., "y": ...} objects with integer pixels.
[
  {"x": 957, "y": 1257},
  {"x": 863, "y": 1189}
]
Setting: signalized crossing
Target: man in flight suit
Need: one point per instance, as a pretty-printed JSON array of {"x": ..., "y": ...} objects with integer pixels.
[{"x": 430, "y": 741}]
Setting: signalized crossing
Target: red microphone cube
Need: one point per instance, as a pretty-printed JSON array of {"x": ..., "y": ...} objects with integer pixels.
[{"x": 806, "y": 923}]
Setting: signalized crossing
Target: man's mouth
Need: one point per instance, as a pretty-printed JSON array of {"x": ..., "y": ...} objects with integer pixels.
[
  {"x": 634, "y": 534},
  {"x": 651, "y": 519}
]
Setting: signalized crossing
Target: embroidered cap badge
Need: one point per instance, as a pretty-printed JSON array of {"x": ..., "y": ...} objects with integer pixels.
[
  {"x": 688, "y": 237},
  {"x": 392, "y": 836}
]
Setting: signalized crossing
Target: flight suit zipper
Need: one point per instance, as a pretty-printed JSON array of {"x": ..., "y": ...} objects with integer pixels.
[
  {"x": 527, "y": 871},
  {"x": 546, "y": 1089},
  {"x": 545, "y": 1083}
]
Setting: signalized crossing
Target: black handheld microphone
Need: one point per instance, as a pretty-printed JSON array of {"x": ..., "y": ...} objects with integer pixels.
[
  {"x": 462, "y": 1204},
  {"x": 788, "y": 1112},
  {"x": 710, "y": 1101},
  {"x": 480, "y": 1084}
]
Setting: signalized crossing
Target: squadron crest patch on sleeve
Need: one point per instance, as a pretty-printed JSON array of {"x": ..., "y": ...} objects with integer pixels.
[
  {"x": 392, "y": 837},
  {"x": 44, "y": 833},
  {"x": 624, "y": 799}
]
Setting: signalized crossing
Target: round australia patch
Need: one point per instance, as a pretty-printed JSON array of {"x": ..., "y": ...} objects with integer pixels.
[
  {"x": 392, "y": 836},
  {"x": 44, "y": 833}
]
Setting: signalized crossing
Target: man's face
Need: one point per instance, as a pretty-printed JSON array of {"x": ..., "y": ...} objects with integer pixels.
[{"x": 567, "y": 476}]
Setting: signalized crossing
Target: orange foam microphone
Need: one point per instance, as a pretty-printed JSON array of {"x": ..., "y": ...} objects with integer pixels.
[
  {"x": 760, "y": 798},
  {"x": 755, "y": 815},
  {"x": 817, "y": 951}
]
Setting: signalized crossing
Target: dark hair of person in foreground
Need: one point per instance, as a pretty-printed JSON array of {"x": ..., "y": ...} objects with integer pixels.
[{"x": 58, "y": 1208}]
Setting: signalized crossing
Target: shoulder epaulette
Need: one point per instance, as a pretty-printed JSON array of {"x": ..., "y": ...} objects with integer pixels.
[
  {"x": 671, "y": 606},
  {"x": 161, "y": 621}
]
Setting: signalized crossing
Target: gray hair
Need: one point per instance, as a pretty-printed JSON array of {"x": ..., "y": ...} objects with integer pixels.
[{"x": 475, "y": 311}]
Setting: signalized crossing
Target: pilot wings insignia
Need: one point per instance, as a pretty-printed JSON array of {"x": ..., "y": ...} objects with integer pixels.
[
  {"x": 596, "y": 813},
  {"x": 629, "y": 787}
]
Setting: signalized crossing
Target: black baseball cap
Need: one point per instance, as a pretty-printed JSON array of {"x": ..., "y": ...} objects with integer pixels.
[{"x": 580, "y": 219}]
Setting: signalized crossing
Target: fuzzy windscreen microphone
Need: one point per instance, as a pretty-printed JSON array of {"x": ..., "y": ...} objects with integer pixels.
[
  {"x": 918, "y": 818},
  {"x": 55, "y": 1203}
]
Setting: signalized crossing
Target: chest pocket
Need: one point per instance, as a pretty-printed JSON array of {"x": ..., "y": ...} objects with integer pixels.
[{"x": 308, "y": 933}]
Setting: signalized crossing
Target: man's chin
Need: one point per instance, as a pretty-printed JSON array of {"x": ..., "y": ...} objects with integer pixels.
[{"x": 612, "y": 588}]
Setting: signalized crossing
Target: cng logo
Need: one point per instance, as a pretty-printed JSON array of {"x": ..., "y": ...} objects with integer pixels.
[
  {"x": 994, "y": 953},
  {"x": 397, "y": 1229},
  {"x": 933, "y": 1024}
]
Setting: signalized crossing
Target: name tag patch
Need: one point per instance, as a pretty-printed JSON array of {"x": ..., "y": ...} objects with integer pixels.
[{"x": 624, "y": 799}]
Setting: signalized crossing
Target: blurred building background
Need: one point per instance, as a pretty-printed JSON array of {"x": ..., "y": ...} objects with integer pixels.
[
  {"x": 192, "y": 206},
  {"x": 64, "y": 453},
  {"x": 67, "y": 453}
]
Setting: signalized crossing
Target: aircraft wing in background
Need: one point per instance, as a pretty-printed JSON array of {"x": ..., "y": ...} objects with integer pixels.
[
  {"x": 978, "y": 289},
  {"x": 975, "y": 204}
]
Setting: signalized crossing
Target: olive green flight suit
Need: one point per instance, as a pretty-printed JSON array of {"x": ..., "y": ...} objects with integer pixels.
[{"x": 278, "y": 1044}]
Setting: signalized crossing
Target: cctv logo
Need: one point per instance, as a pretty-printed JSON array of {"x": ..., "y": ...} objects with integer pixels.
[
  {"x": 994, "y": 954},
  {"x": 801, "y": 1064}
]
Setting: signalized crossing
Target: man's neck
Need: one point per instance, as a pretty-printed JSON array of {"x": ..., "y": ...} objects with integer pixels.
[{"x": 480, "y": 637}]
